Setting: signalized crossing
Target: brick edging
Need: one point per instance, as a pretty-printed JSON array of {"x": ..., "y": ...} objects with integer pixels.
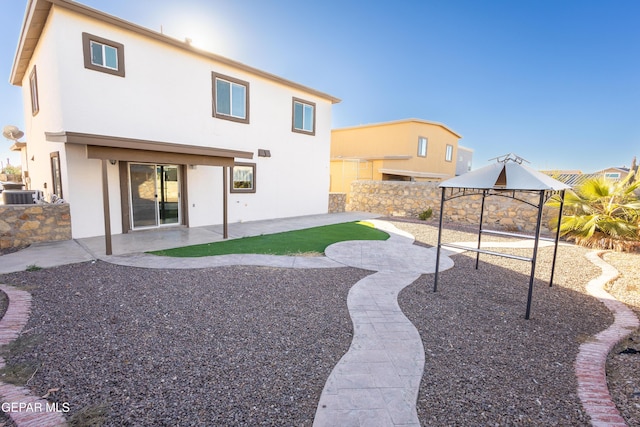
[
  {"x": 11, "y": 324},
  {"x": 591, "y": 361}
]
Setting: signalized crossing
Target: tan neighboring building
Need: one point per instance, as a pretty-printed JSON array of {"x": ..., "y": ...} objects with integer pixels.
[{"x": 403, "y": 150}]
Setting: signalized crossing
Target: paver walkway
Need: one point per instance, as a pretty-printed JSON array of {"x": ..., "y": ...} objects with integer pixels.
[{"x": 377, "y": 381}]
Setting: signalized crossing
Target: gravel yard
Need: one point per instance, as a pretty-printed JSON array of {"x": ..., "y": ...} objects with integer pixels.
[
  {"x": 241, "y": 346},
  {"x": 248, "y": 346},
  {"x": 509, "y": 370}
]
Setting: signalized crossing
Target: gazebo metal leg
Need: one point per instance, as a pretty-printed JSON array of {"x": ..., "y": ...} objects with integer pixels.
[
  {"x": 435, "y": 281},
  {"x": 555, "y": 249},
  {"x": 535, "y": 255},
  {"x": 484, "y": 195}
]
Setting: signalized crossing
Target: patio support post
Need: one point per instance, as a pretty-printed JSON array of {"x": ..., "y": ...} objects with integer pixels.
[
  {"x": 105, "y": 206},
  {"x": 555, "y": 248},
  {"x": 535, "y": 253},
  {"x": 225, "y": 225},
  {"x": 435, "y": 282},
  {"x": 484, "y": 195}
]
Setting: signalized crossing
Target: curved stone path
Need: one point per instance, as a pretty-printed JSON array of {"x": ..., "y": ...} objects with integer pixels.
[{"x": 377, "y": 381}]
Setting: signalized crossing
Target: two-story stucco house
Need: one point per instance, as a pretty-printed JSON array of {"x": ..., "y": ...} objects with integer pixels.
[
  {"x": 405, "y": 150},
  {"x": 157, "y": 133}
]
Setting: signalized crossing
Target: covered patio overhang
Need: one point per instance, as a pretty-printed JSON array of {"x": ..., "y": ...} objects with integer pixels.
[
  {"x": 508, "y": 177},
  {"x": 414, "y": 174},
  {"x": 111, "y": 148}
]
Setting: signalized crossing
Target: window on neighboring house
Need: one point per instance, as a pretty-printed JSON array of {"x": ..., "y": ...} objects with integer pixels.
[
  {"x": 422, "y": 147},
  {"x": 103, "y": 55},
  {"x": 304, "y": 117},
  {"x": 449, "y": 154},
  {"x": 230, "y": 98},
  {"x": 56, "y": 175},
  {"x": 33, "y": 84},
  {"x": 612, "y": 175},
  {"x": 243, "y": 178}
]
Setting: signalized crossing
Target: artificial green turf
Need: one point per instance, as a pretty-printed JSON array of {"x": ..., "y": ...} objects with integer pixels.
[{"x": 309, "y": 240}]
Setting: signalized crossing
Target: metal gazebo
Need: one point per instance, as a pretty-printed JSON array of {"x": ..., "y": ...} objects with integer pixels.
[{"x": 507, "y": 177}]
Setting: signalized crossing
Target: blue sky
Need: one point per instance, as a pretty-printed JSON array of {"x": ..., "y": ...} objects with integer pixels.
[{"x": 554, "y": 81}]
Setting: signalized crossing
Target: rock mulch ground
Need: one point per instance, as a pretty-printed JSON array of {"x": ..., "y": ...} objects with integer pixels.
[
  {"x": 242, "y": 346},
  {"x": 254, "y": 346},
  {"x": 510, "y": 370}
]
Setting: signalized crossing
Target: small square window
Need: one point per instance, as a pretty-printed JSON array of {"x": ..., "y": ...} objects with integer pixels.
[
  {"x": 33, "y": 85},
  {"x": 243, "y": 178},
  {"x": 449, "y": 154},
  {"x": 230, "y": 98},
  {"x": 422, "y": 147},
  {"x": 103, "y": 55},
  {"x": 304, "y": 117}
]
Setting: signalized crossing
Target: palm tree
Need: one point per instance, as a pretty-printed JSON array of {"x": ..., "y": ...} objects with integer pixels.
[{"x": 603, "y": 214}]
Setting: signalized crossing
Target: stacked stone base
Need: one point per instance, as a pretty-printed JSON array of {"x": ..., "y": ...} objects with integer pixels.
[{"x": 22, "y": 225}]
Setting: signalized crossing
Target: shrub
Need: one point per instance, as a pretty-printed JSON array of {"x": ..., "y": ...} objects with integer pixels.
[
  {"x": 426, "y": 214},
  {"x": 603, "y": 214}
]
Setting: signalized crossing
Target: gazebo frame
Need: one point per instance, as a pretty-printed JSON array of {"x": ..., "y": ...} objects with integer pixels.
[{"x": 516, "y": 194}]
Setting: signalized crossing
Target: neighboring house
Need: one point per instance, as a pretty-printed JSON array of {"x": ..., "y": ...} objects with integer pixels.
[
  {"x": 614, "y": 173},
  {"x": 403, "y": 150},
  {"x": 575, "y": 178},
  {"x": 126, "y": 120},
  {"x": 465, "y": 160}
]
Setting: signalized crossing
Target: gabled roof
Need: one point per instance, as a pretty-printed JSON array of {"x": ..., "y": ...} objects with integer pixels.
[
  {"x": 615, "y": 168},
  {"x": 38, "y": 11},
  {"x": 396, "y": 122},
  {"x": 508, "y": 173}
]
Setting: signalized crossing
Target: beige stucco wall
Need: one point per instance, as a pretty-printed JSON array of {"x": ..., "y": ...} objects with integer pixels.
[{"x": 376, "y": 141}]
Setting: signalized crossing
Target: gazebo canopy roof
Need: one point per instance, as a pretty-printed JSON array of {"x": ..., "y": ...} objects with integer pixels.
[{"x": 508, "y": 173}]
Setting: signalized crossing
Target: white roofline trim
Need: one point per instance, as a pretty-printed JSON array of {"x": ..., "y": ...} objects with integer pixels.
[
  {"x": 395, "y": 122},
  {"x": 32, "y": 29}
]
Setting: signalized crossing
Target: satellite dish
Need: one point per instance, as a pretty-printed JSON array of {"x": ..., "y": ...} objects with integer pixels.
[{"x": 12, "y": 132}]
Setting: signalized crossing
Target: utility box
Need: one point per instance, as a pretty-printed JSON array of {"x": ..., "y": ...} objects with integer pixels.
[{"x": 18, "y": 197}]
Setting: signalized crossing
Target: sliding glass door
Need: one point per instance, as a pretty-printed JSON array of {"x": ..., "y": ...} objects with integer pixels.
[{"x": 155, "y": 195}]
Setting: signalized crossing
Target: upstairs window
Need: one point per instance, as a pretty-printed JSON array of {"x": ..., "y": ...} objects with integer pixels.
[
  {"x": 103, "y": 55},
  {"x": 304, "y": 117},
  {"x": 230, "y": 98},
  {"x": 422, "y": 147},
  {"x": 33, "y": 85},
  {"x": 449, "y": 154}
]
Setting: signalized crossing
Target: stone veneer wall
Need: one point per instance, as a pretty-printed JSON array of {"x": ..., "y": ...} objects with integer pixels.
[
  {"x": 22, "y": 225},
  {"x": 337, "y": 202},
  {"x": 408, "y": 199}
]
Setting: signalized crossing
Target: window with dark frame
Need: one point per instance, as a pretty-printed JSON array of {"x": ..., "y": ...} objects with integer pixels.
[
  {"x": 422, "y": 146},
  {"x": 449, "y": 154},
  {"x": 33, "y": 85},
  {"x": 230, "y": 98},
  {"x": 56, "y": 175},
  {"x": 243, "y": 178},
  {"x": 103, "y": 55},
  {"x": 304, "y": 117}
]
